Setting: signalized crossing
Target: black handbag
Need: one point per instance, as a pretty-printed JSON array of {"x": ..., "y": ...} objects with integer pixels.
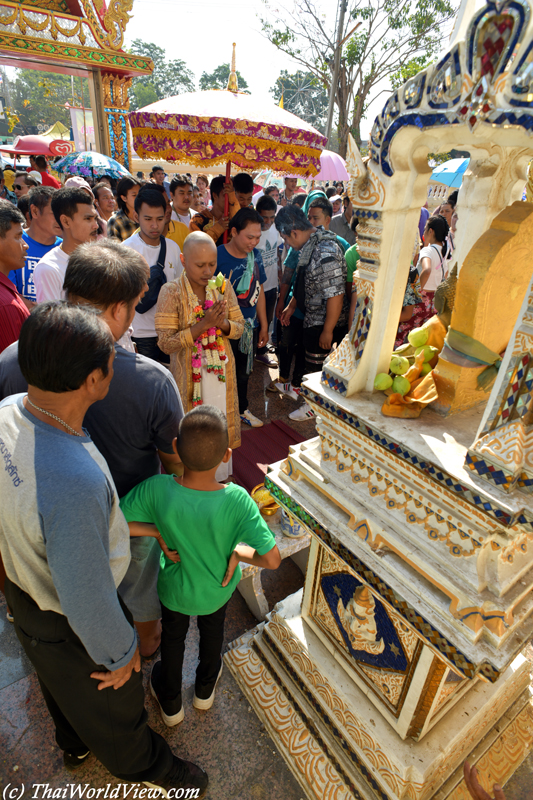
[{"x": 156, "y": 280}]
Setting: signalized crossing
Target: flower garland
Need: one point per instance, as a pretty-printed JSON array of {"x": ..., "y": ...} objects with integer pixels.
[{"x": 212, "y": 344}]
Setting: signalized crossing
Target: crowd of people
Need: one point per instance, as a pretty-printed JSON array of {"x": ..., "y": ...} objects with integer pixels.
[{"x": 131, "y": 316}]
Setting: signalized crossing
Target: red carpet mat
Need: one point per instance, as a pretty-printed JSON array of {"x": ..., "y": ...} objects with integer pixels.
[{"x": 261, "y": 447}]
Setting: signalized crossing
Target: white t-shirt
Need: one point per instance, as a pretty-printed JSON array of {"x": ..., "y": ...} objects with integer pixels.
[
  {"x": 144, "y": 324},
  {"x": 49, "y": 275},
  {"x": 185, "y": 218},
  {"x": 126, "y": 341},
  {"x": 439, "y": 266},
  {"x": 268, "y": 245}
]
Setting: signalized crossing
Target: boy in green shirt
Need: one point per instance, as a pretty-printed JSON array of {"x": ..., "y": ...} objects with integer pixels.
[{"x": 201, "y": 523}]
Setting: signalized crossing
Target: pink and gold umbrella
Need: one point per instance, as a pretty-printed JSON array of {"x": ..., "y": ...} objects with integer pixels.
[{"x": 216, "y": 128}]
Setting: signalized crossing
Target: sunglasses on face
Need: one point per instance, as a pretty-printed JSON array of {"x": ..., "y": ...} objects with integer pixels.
[{"x": 18, "y": 186}]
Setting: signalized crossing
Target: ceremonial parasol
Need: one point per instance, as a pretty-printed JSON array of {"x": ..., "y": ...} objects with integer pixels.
[
  {"x": 216, "y": 128},
  {"x": 91, "y": 164}
]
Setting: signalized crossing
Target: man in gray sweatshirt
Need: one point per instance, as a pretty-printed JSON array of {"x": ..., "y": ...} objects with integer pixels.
[
  {"x": 134, "y": 424},
  {"x": 65, "y": 547}
]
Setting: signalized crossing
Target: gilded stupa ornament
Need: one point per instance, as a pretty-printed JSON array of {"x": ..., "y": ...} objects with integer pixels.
[{"x": 233, "y": 84}]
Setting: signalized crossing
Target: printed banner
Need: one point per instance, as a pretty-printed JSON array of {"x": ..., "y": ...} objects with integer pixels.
[{"x": 83, "y": 129}]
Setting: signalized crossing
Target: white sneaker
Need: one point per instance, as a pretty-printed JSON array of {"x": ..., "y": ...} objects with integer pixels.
[
  {"x": 205, "y": 703},
  {"x": 304, "y": 412},
  {"x": 248, "y": 419},
  {"x": 288, "y": 389}
]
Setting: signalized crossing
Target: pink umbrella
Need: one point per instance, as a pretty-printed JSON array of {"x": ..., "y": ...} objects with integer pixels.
[
  {"x": 332, "y": 167},
  {"x": 37, "y": 146}
]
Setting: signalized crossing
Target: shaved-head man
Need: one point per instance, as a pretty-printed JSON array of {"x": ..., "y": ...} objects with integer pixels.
[
  {"x": 196, "y": 239},
  {"x": 186, "y": 310}
]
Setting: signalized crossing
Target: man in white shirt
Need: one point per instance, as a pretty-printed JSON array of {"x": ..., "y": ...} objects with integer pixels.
[
  {"x": 269, "y": 247},
  {"x": 163, "y": 257},
  {"x": 77, "y": 217},
  {"x": 181, "y": 192}
]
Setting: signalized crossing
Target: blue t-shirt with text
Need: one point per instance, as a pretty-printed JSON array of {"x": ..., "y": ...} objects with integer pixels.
[
  {"x": 228, "y": 264},
  {"x": 23, "y": 278}
]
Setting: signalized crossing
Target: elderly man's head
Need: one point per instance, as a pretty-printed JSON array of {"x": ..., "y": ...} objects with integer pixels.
[
  {"x": 66, "y": 348},
  {"x": 199, "y": 259},
  {"x": 109, "y": 276},
  {"x": 293, "y": 226}
]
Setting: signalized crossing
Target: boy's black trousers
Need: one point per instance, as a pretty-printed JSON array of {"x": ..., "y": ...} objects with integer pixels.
[{"x": 175, "y": 626}]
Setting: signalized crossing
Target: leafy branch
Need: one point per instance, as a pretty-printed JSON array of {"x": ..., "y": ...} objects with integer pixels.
[{"x": 395, "y": 39}]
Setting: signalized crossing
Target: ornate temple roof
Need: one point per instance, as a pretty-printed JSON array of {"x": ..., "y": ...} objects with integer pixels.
[{"x": 87, "y": 33}]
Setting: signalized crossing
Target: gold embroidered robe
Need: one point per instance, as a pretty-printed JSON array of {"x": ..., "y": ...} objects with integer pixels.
[{"x": 175, "y": 309}]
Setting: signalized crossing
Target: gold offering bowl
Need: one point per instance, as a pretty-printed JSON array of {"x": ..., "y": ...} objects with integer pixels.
[{"x": 270, "y": 506}]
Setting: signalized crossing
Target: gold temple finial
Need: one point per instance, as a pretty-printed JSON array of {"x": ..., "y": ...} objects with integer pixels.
[{"x": 233, "y": 85}]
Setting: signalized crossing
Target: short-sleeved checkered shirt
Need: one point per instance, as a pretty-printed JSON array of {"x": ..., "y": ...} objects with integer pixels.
[
  {"x": 322, "y": 268},
  {"x": 120, "y": 226}
]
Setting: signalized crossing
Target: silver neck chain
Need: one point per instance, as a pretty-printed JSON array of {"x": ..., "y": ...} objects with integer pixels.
[{"x": 53, "y": 416}]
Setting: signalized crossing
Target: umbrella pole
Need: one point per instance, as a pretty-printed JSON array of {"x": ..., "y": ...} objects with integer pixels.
[{"x": 226, "y": 198}]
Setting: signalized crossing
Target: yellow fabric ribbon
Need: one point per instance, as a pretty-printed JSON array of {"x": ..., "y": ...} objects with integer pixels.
[{"x": 244, "y": 156}]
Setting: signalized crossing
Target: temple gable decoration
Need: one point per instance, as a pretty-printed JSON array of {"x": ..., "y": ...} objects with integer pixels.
[
  {"x": 83, "y": 38},
  {"x": 476, "y": 97}
]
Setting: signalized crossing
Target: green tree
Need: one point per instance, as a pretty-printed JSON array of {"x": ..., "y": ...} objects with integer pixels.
[
  {"x": 303, "y": 95},
  {"x": 409, "y": 70},
  {"x": 434, "y": 159},
  {"x": 39, "y": 98},
  {"x": 168, "y": 78},
  {"x": 143, "y": 94},
  {"x": 218, "y": 79},
  {"x": 390, "y": 34}
]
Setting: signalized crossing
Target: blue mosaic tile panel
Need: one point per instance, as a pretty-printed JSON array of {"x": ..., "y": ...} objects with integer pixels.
[
  {"x": 414, "y": 91},
  {"x": 333, "y": 382},
  {"x": 364, "y": 309},
  {"x": 488, "y": 471},
  {"x": 365, "y": 213},
  {"x": 439, "y": 642}
]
